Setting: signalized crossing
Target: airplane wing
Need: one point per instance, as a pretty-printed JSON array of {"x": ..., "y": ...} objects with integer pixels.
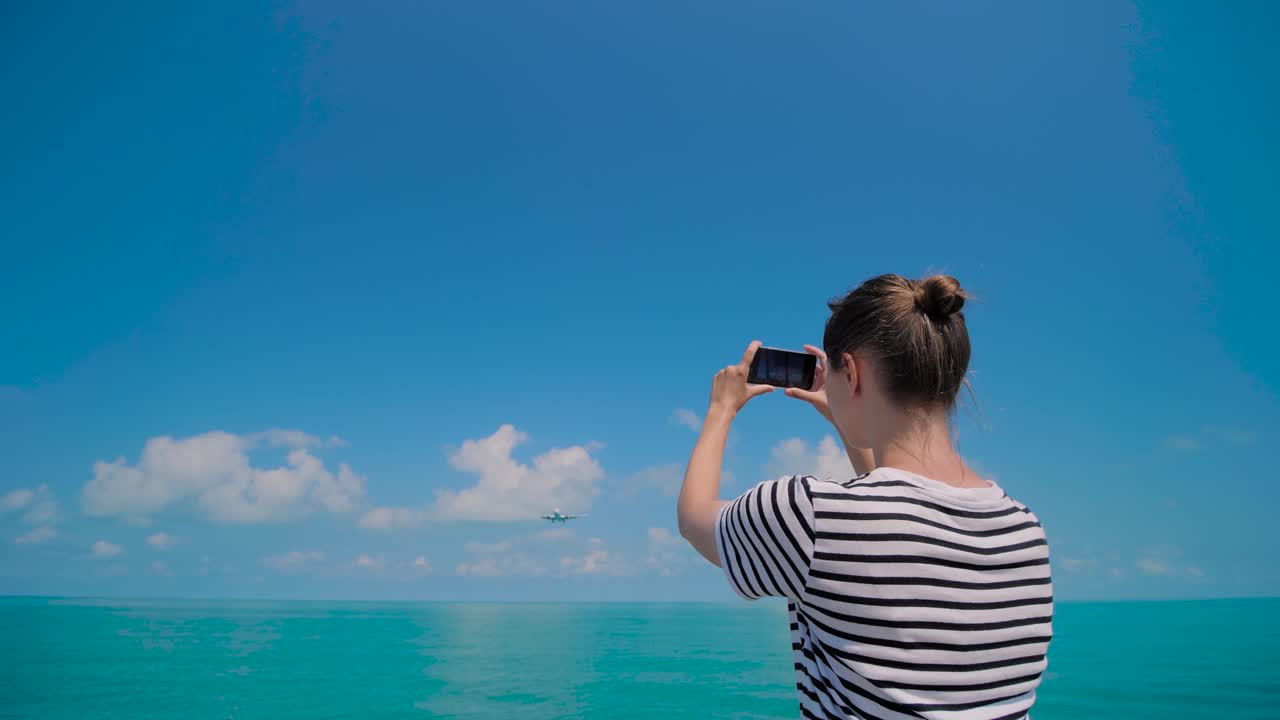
[
  {"x": 547, "y": 517},
  {"x": 571, "y": 517}
]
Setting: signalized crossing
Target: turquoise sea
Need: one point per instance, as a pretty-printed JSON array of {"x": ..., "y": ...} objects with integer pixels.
[{"x": 80, "y": 658}]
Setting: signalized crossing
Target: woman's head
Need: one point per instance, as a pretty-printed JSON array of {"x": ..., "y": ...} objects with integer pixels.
[{"x": 894, "y": 344}]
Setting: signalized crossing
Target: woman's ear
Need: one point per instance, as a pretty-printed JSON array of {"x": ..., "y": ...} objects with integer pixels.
[{"x": 850, "y": 371}]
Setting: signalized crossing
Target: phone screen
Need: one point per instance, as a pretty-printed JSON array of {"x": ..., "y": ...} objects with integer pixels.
[{"x": 782, "y": 368}]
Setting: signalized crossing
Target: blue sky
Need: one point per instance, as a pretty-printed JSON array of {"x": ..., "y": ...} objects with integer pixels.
[{"x": 414, "y": 274}]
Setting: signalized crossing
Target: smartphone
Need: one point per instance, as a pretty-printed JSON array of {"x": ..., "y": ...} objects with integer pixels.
[{"x": 782, "y": 368}]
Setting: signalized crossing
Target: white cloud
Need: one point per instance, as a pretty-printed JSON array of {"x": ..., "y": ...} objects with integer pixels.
[
  {"x": 15, "y": 499},
  {"x": 509, "y": 490},
  {"x": 277, "y": 437},
  {"x": 379, "y": 567},
  {"x": 104, "y": 549},
  {"x": 44, "y": 512},
  {"x": 506, "y": 489},
  {"x": 294, "y": 560},
  {"x": 586, "y": 564},
  {"x": 665, "y": 479},
  {"x": 664, "y": 549},
  {"x": 489, "y": 548},
  {"x": 342, "y": 493},
  {"x": 556, "y": 552},
  {"x": 368, "y": 561},
  {"x": 1077, "y": 564},
  {"x": 1116, "y": 572},
  {"x": 1210, "y": 435},
  {"x": 44, "y": 533},
  {"x": 40, "y": 505},
  {"x": 1233, "y": 436},
  {"x": 1167, "y": 561},
  {"x": 516, "y": 564},
  {"x": 1241, "y": 437},
  {"x": 594, "y": 562},
  {"x": 488, "y": 567},
  {"x": 661, "y": 536},
  {"x": 213, "y": 471},
  {"x": 159, "y": 568},
  {"x": 1161, "y": 566},
  {"x": 554, "y": 534},
  {"x": 44, "y": 508},
  {"x": 162, "y": 541},
  {"x": 1153, "y": 566},
  {"x": 495, "y": 560},
  {"x": 687, "y": 418},
  {"x": 389, "y": 518},
  {"x": 794, "y": 457}
]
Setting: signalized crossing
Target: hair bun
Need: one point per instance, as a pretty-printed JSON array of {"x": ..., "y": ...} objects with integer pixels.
[{"x": 939, "y": 296}]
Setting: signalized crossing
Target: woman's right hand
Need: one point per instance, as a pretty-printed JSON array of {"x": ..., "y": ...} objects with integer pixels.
[{"x": 817, "y": 395}]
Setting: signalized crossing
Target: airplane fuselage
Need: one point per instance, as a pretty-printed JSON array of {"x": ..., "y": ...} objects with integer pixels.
[{"x": 559, "y": 517}]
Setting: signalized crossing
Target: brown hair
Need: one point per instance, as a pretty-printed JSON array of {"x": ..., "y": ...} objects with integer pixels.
[{"x": 914, "y": 329}]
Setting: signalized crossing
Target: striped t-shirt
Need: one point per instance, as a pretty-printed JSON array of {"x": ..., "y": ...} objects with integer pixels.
[{"x": 908, "y": 597}]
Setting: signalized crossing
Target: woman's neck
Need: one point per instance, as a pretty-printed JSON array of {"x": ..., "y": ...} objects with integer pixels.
[{"x": 923, "y": 446}]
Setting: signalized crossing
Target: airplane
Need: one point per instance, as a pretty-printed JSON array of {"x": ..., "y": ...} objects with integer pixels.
[{"x": 556, "y": 517}]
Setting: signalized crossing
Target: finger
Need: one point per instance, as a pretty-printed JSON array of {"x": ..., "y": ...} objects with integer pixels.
[
  {"x": 820, "y": 369},
  {"x": 757, "y": 390},
  {"x": 818, "y": 352},
  {"x": 801, "y": 394},
  {"x": 749, "y": 355}
]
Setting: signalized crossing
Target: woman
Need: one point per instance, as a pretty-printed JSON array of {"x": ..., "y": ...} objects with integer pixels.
[{"x": 916, "y": 589}]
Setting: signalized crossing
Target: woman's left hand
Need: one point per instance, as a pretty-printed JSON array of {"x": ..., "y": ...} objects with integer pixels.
[{"x": 730, "y": 390}]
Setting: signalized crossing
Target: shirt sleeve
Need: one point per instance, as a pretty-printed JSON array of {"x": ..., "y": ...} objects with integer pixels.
[{"x": 765, "y": 539}]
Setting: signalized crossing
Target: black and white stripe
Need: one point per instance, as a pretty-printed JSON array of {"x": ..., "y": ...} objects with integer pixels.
[{"x": 908, "y": 598}]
